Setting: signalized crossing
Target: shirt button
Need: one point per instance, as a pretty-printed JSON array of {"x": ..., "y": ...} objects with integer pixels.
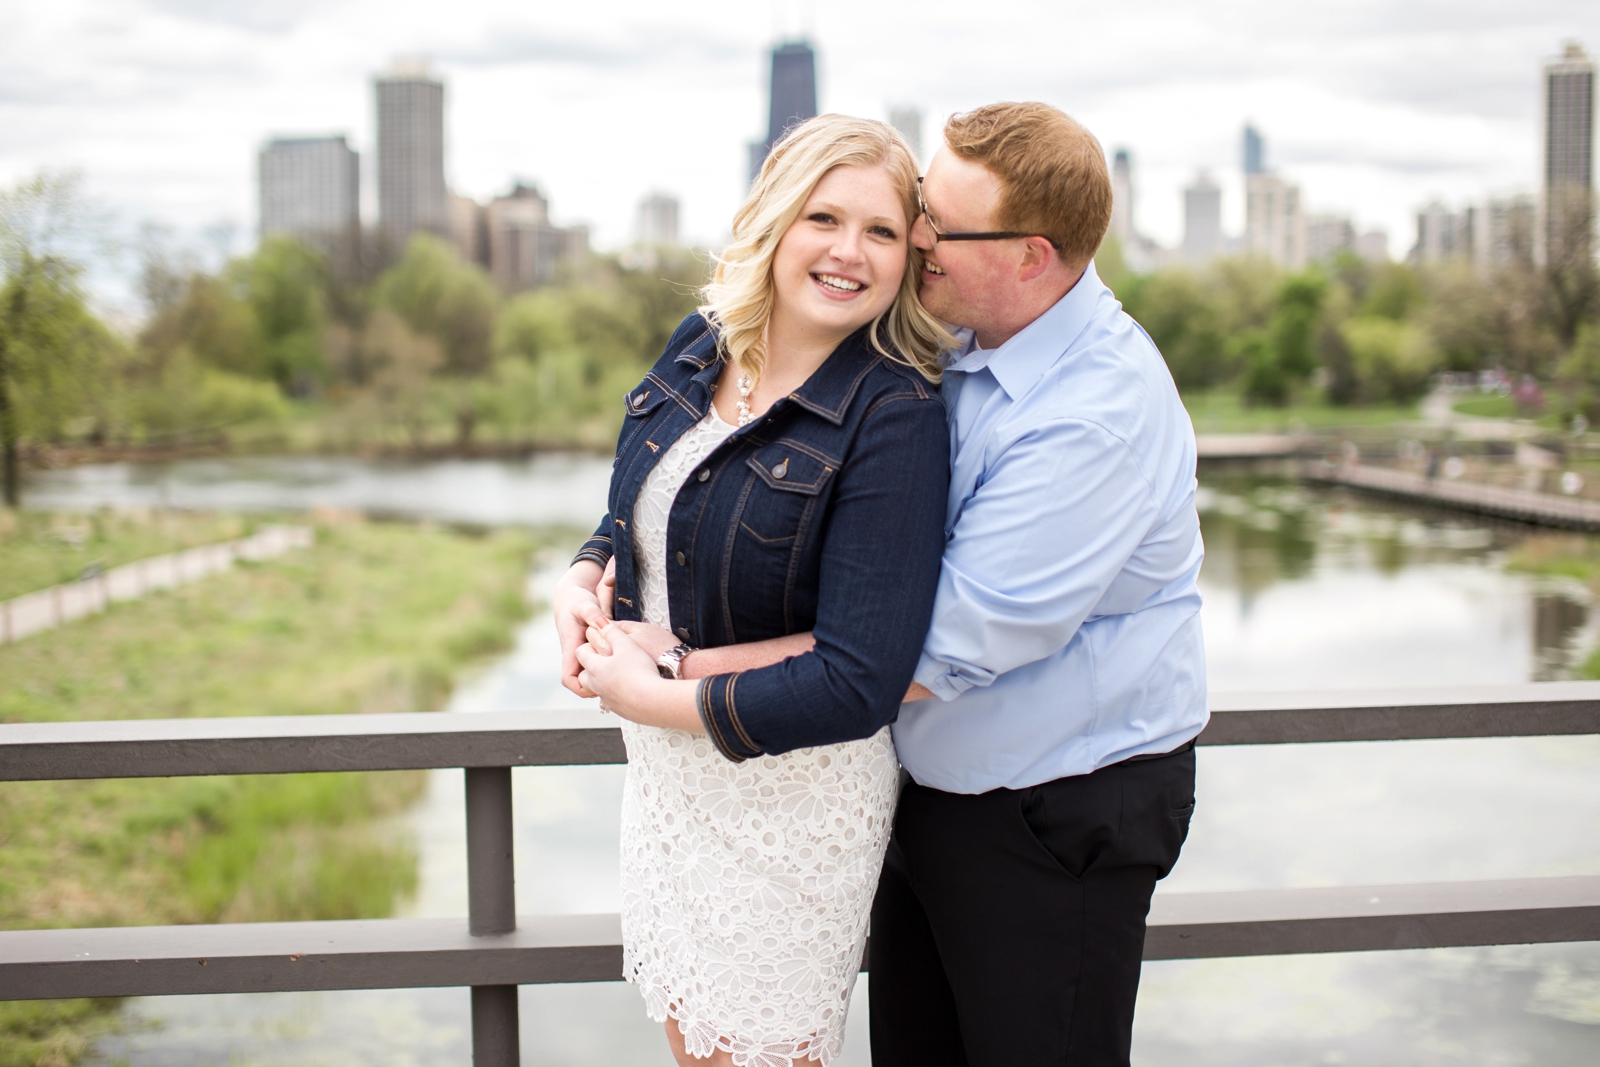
[
  {"x": 683, "y": 632},
  {"x": 704, "y": 474},
  {"x": 682, "y": 559},
  {"x": 781, "y": 470}
]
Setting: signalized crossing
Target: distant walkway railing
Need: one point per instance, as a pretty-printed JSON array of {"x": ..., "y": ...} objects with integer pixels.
[
  {"x": 493, "y": 951},
  {"x": 1542, "y": 509},
  {"x": 97, "y": 590}
]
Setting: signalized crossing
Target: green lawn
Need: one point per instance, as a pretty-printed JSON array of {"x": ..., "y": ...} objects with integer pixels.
[
  {"x": 1486, "y": 406},
  {"x": 40, "y": 549},
  {"x": 1224, "y": 411},
  {"x": 372, "y": 618}
]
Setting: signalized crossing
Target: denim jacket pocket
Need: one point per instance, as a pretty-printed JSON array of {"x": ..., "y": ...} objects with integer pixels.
[
  {"x": 638, "y": 406},
  {"x": 789, "y": 476}
]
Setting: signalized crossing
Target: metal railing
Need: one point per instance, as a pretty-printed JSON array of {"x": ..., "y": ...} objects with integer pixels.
[{"x": 493, "y": 950}]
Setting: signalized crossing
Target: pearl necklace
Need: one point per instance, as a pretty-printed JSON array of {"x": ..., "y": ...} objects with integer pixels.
[{"x": 743, "y": 405}]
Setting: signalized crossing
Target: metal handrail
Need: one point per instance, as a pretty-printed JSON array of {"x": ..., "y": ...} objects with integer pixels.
[{"x": 493, "y": 950}]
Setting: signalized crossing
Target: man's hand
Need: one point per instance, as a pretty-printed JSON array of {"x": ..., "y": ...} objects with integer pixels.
[{"x": 576, "y": 608}]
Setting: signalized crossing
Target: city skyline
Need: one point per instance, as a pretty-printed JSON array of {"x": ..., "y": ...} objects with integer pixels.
[{"x": 1373, "y": 110}]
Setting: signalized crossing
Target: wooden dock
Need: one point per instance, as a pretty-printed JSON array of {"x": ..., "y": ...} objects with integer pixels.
[{"x": 1540, "y": 509}]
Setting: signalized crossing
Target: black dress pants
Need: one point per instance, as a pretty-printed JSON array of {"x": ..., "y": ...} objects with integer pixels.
[{"x": 1009, "y": 926}]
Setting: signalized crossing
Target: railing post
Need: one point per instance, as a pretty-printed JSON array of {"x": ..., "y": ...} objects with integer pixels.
[{"x": 491, "y": 909}]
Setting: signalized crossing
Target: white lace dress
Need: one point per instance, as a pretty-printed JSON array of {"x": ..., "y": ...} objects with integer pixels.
[{"x": 746, "y": 887}]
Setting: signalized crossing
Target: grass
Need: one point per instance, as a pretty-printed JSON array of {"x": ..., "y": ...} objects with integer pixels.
[
  {"x": 372, "y": 618},
  {"x": 1488, "y": 406},
  {"x": 41, "y": 549},
  {"x": 1224, "y": 411}
]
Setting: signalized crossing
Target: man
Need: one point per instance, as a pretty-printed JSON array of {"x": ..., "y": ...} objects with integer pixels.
[
  {"x": 1052, "y": 780},
  {"x": 1048, "y": 736}
]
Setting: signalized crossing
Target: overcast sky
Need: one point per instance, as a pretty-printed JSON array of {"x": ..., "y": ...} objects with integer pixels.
[{"x": 1374, "y": 107}]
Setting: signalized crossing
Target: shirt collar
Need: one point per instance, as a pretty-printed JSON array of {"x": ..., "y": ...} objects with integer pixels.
[{"x": 1019, "y": 363}]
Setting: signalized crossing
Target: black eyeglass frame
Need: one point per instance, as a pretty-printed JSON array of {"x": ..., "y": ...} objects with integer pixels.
[{"x": 993, "y": 235}]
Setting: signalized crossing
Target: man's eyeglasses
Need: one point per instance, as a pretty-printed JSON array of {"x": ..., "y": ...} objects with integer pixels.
[{"x": 994, "y": 235}]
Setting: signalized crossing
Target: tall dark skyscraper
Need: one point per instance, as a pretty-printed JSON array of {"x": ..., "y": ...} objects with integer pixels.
[
  {"x": 792, "y": 96},
  {"x": 1253, "y": 151},
  {"x": 1568, "y": 164},
  {"x": 411, "y": 190}
]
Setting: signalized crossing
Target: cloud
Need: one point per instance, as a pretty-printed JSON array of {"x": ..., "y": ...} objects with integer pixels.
[
  {"x": 635, "y": 47},
  {"x": 271, "y": 16}
]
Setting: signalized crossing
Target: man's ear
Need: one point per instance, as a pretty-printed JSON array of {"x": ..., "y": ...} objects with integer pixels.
[{"x": 1037, "y": 256}]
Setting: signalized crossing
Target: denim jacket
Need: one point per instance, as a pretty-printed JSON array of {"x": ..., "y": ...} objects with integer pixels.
[{"x": 825, "y": 514}]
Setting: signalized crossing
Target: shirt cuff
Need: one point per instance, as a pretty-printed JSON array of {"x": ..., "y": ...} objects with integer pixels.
[
  {"x": 719, "y": 715},
  {"x": 938, "y": 679}
]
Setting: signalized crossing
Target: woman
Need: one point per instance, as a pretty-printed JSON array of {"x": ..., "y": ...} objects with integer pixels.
[{"x": 781, "y": 469}]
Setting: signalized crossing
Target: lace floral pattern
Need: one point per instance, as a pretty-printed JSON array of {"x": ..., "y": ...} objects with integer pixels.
[{"x": 746, "y": 887}]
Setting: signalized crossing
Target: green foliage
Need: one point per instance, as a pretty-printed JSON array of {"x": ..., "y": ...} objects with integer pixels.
[
  {"x": 445, "y": 299},
  {"x": 1390, "y": 361},
  {"x": 1581, "y": 372},
  {"x": 1184, "y": 320},
  {"x": 181, "y": 397},
  {"x": 1295, "y": 321},
  {"x": 1394, "y": 292},
  {"x": 285, "y": 285},
  {"x": 55, "y": 351}
]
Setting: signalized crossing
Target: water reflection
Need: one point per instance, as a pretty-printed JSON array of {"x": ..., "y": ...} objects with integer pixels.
[{"x": 1319, "y": 562}]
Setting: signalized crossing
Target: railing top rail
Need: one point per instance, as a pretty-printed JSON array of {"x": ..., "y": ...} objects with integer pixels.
[{"x": 129, "y": 748}]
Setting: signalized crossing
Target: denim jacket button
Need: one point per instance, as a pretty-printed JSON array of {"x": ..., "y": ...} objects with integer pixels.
[
  {"x": 704, "y": 474},
  {"x": 781, "y": 470},
  {"x": 683, "y": 632},
  {"x": 682, "y": 560}
]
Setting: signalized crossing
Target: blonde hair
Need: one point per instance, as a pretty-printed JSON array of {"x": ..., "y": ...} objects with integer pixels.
[
  {"x": 740, "y": 296},
  {"x": 1052, "y": 173}
]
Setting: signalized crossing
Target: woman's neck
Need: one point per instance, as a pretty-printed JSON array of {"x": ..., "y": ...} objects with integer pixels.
[{"x": 794, "y": 353}]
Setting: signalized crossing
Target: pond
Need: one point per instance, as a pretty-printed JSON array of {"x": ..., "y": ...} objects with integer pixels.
[{"x": 1304, "y": 589}]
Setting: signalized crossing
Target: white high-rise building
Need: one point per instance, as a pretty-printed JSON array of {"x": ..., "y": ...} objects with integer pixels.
[
  {"x": 310, "y": 189},
  {"x": 1373, "y": 246},
  {"x": 657, "y": 222},
  {"x": 1566, "y": 227},
  {"x": 1503, "y": 232},
  {"x": 1274, "y": 221},
  {"x": 1327, "y": 236},
  {"x": 1202, "y": 220},
  {"x": 908, "y": 120},
  {"x": 1122, "y": 199},
  {"x": 411, "y": 192}
]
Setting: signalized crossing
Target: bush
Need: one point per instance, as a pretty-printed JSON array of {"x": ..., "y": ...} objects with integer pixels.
[{"x": 1390, "y": 362}]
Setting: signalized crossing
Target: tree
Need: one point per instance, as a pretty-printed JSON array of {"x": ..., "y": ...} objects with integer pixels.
[
  {"x": 286, "y": 285},
  {"x": 51, "y": 347},
  {"x": 448, "y": 300},
  {"x": 1294, "y": 324}
]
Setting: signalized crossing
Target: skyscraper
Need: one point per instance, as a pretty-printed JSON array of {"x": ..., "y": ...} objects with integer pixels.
[
  {"x": 1567, "y": 228},
  {"x": 1274, "y": 222},
  {"x": 1202, "y": 219},
  {"x": 525, "y": 250},
  {"x": 658, "y": 220},
  {"x": 1122, "y": 199},
  {"x": 792, "y": 97},
  {"x": 908, "y": 120},
  {"x": 311, "y": 190},
  {"x": 411, "y": 189},
  {"x": 1328, "y": 235},
  {"x": 1254, "y": 151}
]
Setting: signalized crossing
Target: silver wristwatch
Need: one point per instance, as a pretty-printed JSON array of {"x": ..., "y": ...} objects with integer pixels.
[{"x": 670, "y": 662}]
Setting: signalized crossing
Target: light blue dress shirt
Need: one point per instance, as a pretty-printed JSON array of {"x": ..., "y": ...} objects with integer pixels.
[{"x": 1066, "y": 632}]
